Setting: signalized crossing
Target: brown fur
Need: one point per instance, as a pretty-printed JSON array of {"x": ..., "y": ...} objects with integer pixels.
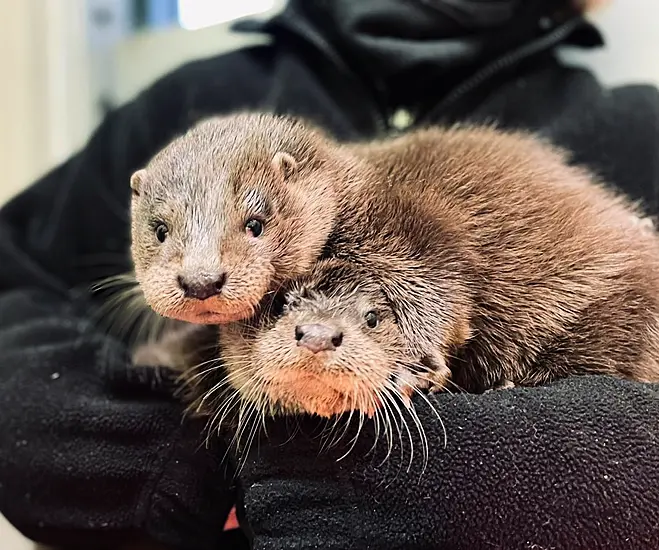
[
  {"x": 552, "y": 273},
  {"x": 498, "y": 259},
  {"x": 205, "y": 186}
]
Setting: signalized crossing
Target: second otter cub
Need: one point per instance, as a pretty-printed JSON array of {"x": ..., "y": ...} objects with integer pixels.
[
  {"x": 499, "y": 261},
  {"x": 329, "y": 345}
]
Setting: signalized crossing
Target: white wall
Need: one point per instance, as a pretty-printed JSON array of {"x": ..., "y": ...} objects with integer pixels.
[
  {"x": 631, "y": 30},
  {"x": 45, "y": 106}
]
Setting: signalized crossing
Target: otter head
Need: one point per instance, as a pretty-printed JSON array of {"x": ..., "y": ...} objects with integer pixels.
[
  {"x": 333, "y": 347},
  {"x": 228, "y": 212}
]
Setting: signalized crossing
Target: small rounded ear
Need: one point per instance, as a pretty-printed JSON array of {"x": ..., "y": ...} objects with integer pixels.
[
  {"x": 136, "y": 181},
  {"x": 285, "y": 165}
]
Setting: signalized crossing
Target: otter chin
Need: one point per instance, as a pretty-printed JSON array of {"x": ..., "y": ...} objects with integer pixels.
[
  {"x": 176, "y": 302},
  {"x": 330, "y": 345}
]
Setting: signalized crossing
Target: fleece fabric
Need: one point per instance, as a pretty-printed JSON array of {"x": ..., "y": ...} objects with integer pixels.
[
  {"x": 573, "y": 465},
  {"x": 88, "y": 462}
]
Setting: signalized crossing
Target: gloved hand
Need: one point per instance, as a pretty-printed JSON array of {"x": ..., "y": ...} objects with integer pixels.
[
  {"x": 93, "y": 452},
  {"x": 573, "y": 466}
]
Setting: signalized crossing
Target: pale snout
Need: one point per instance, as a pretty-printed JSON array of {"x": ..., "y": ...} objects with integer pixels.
[{"x": 318, "y": 337}]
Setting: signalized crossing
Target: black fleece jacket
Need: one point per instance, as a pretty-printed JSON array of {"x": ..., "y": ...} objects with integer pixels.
[{"x": 88, "y": 458}]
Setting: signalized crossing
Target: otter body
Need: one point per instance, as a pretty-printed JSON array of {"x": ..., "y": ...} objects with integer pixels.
[
  {"x": 520, "y": 266},
  {"x": 500, "y": 262}
]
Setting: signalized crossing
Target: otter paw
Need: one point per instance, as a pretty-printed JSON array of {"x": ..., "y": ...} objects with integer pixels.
[
  {"x": 501, "y": 385},
  {"x": 154, "y": 354},
  {"x": 437, "y": 376},
  {"x": 439, "y": 380}
]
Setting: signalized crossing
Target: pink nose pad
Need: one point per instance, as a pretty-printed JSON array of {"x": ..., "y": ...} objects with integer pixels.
[{"x": 317, "y": 337}]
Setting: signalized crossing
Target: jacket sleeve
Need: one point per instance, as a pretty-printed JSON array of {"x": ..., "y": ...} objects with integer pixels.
[
  {"x": 90, "y": 456},
  {"x": 82, "y": 459},
  {"x": 570, "y": 465}
]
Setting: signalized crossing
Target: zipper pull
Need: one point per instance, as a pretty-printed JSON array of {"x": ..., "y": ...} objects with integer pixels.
[{"x": 401, "y": 119}]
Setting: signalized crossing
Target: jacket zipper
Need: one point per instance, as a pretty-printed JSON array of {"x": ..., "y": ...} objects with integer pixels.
[
  {"x": 498, "y": 65},
  {"x": 380, "y": 116}
]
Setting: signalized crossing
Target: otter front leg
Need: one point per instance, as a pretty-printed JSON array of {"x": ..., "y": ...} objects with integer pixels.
[
  {"x": 438, "y": 375},
  {"x": 157, "y": 354},
  {"x": 180, "y": 347},
  {"x": 501, "y": 385}
]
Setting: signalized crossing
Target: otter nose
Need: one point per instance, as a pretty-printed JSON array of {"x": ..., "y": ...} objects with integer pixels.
[
  {"x": 202, "y": 288},
  {"x": 317, "y": 338}
]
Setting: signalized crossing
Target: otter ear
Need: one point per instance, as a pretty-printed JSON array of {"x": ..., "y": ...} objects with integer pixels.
[
  {"x": 136, "y": 181},
  {"x": 285, "y": 165}
]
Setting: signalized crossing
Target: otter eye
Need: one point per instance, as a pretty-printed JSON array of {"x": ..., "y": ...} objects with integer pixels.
[
  {"x": 254, "y": 226},
  {"x": 161, "y": 232},
  {"x": 372, "y": 319}
]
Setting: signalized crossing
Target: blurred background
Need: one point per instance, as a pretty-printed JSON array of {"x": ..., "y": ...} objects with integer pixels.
[{"x": 66, "y": 62}]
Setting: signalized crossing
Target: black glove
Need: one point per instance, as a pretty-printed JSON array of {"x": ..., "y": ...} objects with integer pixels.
[
  {"x": 573, "y": 466},
  {"x": 94, "y": 453}
]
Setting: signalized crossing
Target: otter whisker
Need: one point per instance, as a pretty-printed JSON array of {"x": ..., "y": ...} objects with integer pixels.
[
  {"x": 389, "y": 397},
  {"x": 391, "y": 419},
  {"x": 253, "y": 431},
  {"x": 228, "y": 404},
  {"x": 222, "y": 384},
  {"x": 376, "y": 420},
  {"x": 122, "y": 279},
  {"x": 356, "y": 436},
  {"x": 424, "y": 439},
  {"x": 434, "y": 410},
  {"x": 351, "y": 408},
  {"x": 396, "y": 406}
]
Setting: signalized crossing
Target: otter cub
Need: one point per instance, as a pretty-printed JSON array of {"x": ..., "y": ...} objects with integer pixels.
[
  {"x": 328, "y": 344},
  {"x": 500, "y": 262}
]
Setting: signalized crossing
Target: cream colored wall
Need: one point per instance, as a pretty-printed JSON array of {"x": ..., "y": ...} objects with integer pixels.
[
  {"x": 631, "y": 29},
  {"x": 141, "y": 59},
  {"x": 45, "y": 106}
]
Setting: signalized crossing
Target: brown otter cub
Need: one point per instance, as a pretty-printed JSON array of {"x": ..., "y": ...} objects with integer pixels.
[
  {"x": 500, "y": 261},
  {"x": 329, "y": 345}
]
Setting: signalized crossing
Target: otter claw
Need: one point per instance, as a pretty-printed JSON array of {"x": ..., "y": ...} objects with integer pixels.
[
  {"x": 436, "y": 379},
  {"x": 502, "y": 385}
]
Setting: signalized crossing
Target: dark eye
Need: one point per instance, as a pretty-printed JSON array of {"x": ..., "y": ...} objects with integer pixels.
[
  {"x": 254, "y": 226},
  {"x": 372, "y": 319},
  {"x": 161, "y": 232},
  {"x": 279, "y": 305}
]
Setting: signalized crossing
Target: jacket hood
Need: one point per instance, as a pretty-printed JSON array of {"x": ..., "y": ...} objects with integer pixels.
[{"x": 399, "y": 44}]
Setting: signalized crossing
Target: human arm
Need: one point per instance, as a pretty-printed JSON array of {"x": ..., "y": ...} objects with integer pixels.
[
  {"x": 571, "y": 465},
  {"x": 80, "y": 460}
]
